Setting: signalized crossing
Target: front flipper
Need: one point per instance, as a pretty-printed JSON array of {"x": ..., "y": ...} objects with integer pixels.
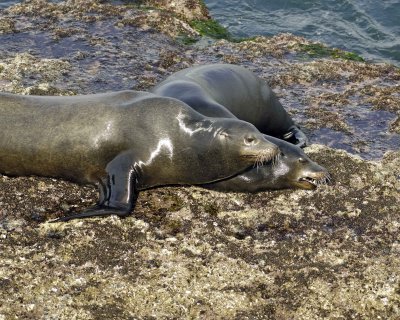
[
  {"x": 96, "y": 211},
  {"x": 118, "y": 192},
  {"x": 296, "y": 136}
]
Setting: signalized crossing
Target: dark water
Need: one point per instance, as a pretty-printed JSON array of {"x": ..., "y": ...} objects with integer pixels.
[
  {"x": 370, "y": 28},
  {"x": 5, "y": 3}
]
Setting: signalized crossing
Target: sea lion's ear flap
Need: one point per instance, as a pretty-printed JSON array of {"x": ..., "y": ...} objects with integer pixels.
[{"x": 118, "y": 191}]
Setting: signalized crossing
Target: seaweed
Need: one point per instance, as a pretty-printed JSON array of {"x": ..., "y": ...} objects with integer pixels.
[
  {"x": 320, "y": 50},
  {"x": 210, "y": 28}
]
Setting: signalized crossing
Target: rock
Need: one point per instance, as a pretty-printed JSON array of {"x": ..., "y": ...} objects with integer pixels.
[{"x": 188, "y": 252}]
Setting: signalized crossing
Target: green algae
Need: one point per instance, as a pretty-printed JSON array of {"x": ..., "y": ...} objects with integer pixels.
[
  {"x": 320, "y": 50},
  {"x": 210, "y": 28},
  {"x": 186, "y": 39}
]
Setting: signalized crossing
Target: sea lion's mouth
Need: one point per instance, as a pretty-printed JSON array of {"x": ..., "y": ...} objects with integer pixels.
[{"x": 309, "y": 183}]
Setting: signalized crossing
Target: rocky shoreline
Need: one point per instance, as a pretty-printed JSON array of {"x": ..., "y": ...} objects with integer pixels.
[{"x": 189, "y": 253}]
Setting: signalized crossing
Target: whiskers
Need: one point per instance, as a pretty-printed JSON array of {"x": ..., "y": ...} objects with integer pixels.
[
  {"x": 275, "y": 160},
  {"x": 325, "y": 180},
  {"x": 265, "y": 158}
]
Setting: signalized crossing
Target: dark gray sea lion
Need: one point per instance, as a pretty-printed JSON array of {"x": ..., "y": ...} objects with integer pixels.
[
  {"x": 124, "y": 142},
  {"x": 223, "y": 90},
  {"x": 293, "y": 169},
  {"x": 201, "y": 87}
]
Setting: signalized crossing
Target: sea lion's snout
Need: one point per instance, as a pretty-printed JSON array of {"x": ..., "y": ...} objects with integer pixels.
[{"x": 311, "y": 179}]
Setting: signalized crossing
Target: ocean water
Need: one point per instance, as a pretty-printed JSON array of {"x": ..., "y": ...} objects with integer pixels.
[
  {"x": 6, "y": 3},
  {"x": 370, "y": 28}
]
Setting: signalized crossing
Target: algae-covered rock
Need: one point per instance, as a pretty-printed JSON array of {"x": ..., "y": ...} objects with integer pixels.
[
  {"x": 186, "y": 9},
  {"x": 186, "y": 252},
  {"x": 294, "y": 254},
  {"x": 7, "y": 25},
  {"x": 28, "y": 69},
  {"x": 162, "y": 21}
]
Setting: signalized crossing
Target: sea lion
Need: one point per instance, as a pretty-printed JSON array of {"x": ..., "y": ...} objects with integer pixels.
[
  {"x": 124, "y": 142},
  {"x": 226, "y": 90},
  {"x": 208, "y": 89},
  {"x": 293, "y": 169}
]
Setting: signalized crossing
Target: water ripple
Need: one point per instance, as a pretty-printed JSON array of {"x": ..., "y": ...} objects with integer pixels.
[{"x": 370, "y": 28}]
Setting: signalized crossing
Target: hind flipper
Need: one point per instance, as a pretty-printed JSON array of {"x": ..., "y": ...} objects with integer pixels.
[{"x": 297, "y": 137}]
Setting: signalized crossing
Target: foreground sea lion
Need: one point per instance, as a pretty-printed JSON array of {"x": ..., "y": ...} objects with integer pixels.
[
  {"x": 201, "y": 87},
  {"x": 124, "y": 142},
  {"x": 226, "y": 90}
]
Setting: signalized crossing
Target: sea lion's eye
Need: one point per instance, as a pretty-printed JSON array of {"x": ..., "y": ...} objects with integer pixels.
[
  {"x": 249, "y": 140},
  {"x": 302, "y": 160}
]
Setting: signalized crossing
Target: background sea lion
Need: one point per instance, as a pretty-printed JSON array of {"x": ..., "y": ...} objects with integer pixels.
[
  {"x": 208, "y": 89},
  {"x": 293, "y": 169},
  {"x": 124, "y": 142},
  {"x": 223, "y": 90}
]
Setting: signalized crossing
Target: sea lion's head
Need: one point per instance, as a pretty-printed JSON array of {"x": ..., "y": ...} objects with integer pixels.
[
  {"x": 222, "y": 147},
  {"x": 291, "y": 169},
  {"x": 245, "y": 141},
  {"x": 306, "y": 174},
  {"x": 295, "y": 169}
]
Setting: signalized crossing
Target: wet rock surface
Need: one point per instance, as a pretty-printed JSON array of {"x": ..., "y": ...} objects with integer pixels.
[{"x": 187, "y": 252}]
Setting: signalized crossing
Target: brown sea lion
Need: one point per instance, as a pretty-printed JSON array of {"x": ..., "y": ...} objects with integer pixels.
[{"x": 124, "y": 142}]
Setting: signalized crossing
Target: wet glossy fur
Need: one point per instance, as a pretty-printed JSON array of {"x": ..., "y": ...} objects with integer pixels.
[{"x": 122, "y": 141}]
